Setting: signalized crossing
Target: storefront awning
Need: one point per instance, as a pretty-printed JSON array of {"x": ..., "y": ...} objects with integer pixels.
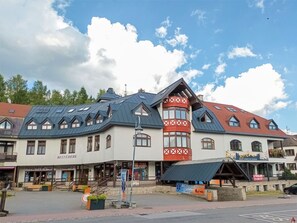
[
  {"x": 224, "y": 169},
  {"x": 7, "y": 167}
]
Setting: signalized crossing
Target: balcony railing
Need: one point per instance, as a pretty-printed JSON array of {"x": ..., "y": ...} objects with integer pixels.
[
  {"x": 276, "y": 153},
  {"x": 4, "y": 157}
]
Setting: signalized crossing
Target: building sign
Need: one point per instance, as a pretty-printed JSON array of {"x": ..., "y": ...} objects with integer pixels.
[
  {"x": 258, "y": 177},
  {"x": 246, "y": 156},
  {"x": 66, "y": 156},
  {"x": 123, "y": 184},
  {"x": 190, "y": 189}
]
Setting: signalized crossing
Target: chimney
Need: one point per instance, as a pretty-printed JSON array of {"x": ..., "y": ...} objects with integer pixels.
[{"x": 200, "y": 97}]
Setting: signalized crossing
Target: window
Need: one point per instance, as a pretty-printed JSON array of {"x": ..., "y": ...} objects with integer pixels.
[
  {"x": 63, "y": 148},
  {"x": 256, "y": 146},
  {"x": 46, "y": 125},
  {"x": 89, "y": 121},
  {"x": 141, "y": 111},
  {"x": 32, "y": 126},
  {"x": 30, "y": 148},
  {"x": 291, "y": 166},
  {"x": 41, "y": 147},
  {"x": 143, "y": 140},
  {"x": 176, "y": 139},
  {"x": 205, "y": 118},
  {"x": 272, "y": 126},
  {"x": 254, "y": 124},
  {"x": 75, "y": 124},
  {"x": 5, "y": 125},
  {"x": 233, "y": 122},
  {"x": 99, "y": 119},
  {"x": 97, "y": 143},
  {"x": 90, "y": 144},
  {"x": 72, "y": 143},
  {"x": 235, "y": 145},
  {"x": 207, "y": 143},
  {"x": 64, "y": 125},
  {"x": 108, "y": 141},
  {"x": 175, "y": 113},
  {"x": 290, "y": 152}
]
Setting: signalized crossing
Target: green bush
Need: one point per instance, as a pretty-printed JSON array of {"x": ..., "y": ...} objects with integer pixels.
[
  {"x": 287, "y": 175},
  {"x": 97, "y": 197}
]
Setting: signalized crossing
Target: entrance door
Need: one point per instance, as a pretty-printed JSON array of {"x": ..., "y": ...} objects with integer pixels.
[{"x": 67, "y": 175}]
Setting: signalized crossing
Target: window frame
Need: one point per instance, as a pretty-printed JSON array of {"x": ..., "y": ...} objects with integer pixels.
[
  {"x": 72, "y": 145},
  {"x": 208, "y": 143},
  {"x": 256, "y": 146},
  {"x": 63, "y": 146},
  {"x": 176, "y": 140},
  {"x": 30, "y": 147},
  {"x": 141, "y": 111},
  {"x": 5, "y": 125},
  {"x": 41, "y": 147},
  {"x": 176, "y": 113},
  {"x": 32, "y": 125},
  {"x": 254, "y": 124},
  {"x": 46, "y": 126},
  {"x": 75, "y": 123},
  {"x": 97, "y": 143},
  {"x": 89, "y": 143},
  {"x": 64, "y": 125},
  {"x": 108, "y": 141},
  {"x": 233, "y": 122},
  {"x": 235, "y": 143},
  {"x": 142, "y": 140}
]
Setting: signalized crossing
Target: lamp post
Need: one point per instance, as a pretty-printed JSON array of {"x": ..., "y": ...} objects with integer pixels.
[{"x": 138, "y": 130}]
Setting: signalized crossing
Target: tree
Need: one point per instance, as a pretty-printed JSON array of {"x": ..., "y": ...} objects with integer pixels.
[
  {"x": 2, "y": 89},
  {"x": 17, "y": 90},
  {"x": 56, "y": 98},
  {"x": 100, "y": 93},
  {"x": 67, "y": 97},
  {"x": 82, "y": 96},
  {"x": 39, "y": 94}
]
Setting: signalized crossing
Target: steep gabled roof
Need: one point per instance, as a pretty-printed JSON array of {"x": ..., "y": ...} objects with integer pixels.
[
  {"x": 180, "y": 88},
  {"x": 288, "y": 142},
  {"x": 223, "y": 113},
  {"x": 108, "y": 96},
  {"x": 14, "y": 110}
]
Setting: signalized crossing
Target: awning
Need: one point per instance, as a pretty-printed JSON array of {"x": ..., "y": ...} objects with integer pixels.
[
  {"x": 7, "y": 167},
  {"x": 224, "y": 169}
]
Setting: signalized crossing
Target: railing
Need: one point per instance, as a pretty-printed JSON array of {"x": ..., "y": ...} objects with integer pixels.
[
  {"x": 276, "y": 153},
  {"x": 4, "y": 157}
]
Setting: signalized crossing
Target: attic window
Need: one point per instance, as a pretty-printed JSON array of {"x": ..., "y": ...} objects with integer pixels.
[
  {"x": 5, "y": 125},
  {"x": 99, "y": 119},
  {"x": 272, "y": 126},
  {"x": 46, "y": 125},
  {"x": 75, "y": 124},
  {"x": 32, "y": 126},
  {"x": 141, "y": 111},
  {"x": 233, "y": 122},
  {"x": 206, "y": 119},
  {"x": 89, "y": 121},
  {"x": 11, "y": 110},
  {"x": 254, "y": 124},
  {"x": 64, "y": 125}
]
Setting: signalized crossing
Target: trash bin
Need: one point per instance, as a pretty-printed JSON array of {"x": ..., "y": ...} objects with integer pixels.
[
  {"x": 44, "y": 188},
  {"x": 209, "y": 196}
]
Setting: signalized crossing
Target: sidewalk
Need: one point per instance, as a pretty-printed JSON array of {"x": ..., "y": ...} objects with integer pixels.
[{"x": 45, "y": 206}]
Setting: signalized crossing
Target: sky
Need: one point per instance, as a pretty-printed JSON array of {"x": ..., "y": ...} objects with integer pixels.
[{"x": 236, "y": 52}]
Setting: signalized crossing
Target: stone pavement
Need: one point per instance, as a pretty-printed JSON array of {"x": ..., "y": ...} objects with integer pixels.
[{"x": 58, "y": 205}]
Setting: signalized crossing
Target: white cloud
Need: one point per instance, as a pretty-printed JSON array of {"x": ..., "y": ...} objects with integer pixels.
[
  {"x": 179, "y": 39},
  {"x": 206, "y": 66},
  {"x": 108, "y": 55},
  {"x": 241, "y": 52},
  {"x": 220, "y": 68},
  {"x": 260, "y": 90},
  {"x": 161, "y": 32},
  {"x": 258, "y": 4},
  {"x": 200, "y": 15}
]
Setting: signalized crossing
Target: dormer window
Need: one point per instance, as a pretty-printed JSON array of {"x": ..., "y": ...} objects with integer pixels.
[
  {"x": 233, "y": 122},
  {"x": 254, "y": 124},
  {"x": 75, "y": 124},
  {"x": 206, "y": 119},
  {"x": 272, "y": 126},
  {"x": 46, "y": 125},
  {"x": 5, "y": 125},
  {"x": 64, "y": 125},
  {"x": 89, "y": 121},
  {"x": 99, "y": 119},
  {"x": 32, "y": 126},
  {"x": 141, "y": 111}
]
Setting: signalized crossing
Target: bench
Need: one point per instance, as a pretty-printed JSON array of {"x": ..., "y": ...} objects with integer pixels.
[{"x": 35, "y": 187}]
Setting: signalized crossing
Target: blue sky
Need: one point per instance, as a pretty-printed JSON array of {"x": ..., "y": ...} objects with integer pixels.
[{"x": 239, "y": 52}]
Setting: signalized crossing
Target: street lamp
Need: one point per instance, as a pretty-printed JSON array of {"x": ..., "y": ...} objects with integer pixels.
[{"x": 138, "y": 130}]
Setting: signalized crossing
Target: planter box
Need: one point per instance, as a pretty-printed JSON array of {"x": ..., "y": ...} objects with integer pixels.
[{"x": 95, "y": 204}]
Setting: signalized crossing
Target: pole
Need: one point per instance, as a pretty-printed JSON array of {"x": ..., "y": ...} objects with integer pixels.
[{"x": 132, "y": 176}]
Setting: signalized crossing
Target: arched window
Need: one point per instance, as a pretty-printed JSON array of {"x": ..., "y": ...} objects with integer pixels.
[
  {"x": 64, "y": 125},
  {"x": 46, "y": 125},
  {"x": 143, "y": 140},
  {"x": 256, "y": 146},
  {"x": 235, "y": 145},
  {"x": 5, "y": 125},
  {"x": 108, "y": 141},
  {"x": 254, "y": 124},
  {"x": 32, "y": 126},
  {"x": 233, "y": 122},
  {"x": 208, "y": 143}
]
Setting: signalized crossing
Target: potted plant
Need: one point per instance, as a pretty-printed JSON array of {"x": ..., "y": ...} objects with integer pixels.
[{"x": 96, "y": 201}]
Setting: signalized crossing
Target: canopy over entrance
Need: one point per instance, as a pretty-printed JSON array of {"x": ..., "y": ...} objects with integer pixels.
[{"x": 206, "y": 170}]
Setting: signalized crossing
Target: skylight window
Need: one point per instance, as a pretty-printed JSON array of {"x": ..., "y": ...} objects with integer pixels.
[
  {"x": 71, "y": 110},
  {"x": 60, "y": 110},
  {"x": 86, "y": 108},
  {"x": 217, "y": 107},
  {"x": 81, "y": 109},
  {"x": 142, "y": 97},
  {"x": 231, "y": 109}
]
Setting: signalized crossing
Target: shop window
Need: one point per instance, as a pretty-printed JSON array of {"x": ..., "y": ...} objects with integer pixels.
[
  {"x": 72, "y": 144},
  {"x": 208, "y": 143},
  {"x": 63, "y": 148},
  {"x": 30, "y": 148},
  {"x": 90, "y": 144},
  {"x": 41, "y": 147},
  {"x": 235, "y": 145},
  {"x": 256, "y": 146},
  {"x": 143, "y": 140},
  {"x": 108, "y": 141},
  {"x": 97, "y": 143}
]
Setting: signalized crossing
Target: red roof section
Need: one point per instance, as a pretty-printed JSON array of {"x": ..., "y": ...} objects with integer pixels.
[
  {"x": 227, "y": 111},
  {"x": 14, "y": 110}
]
